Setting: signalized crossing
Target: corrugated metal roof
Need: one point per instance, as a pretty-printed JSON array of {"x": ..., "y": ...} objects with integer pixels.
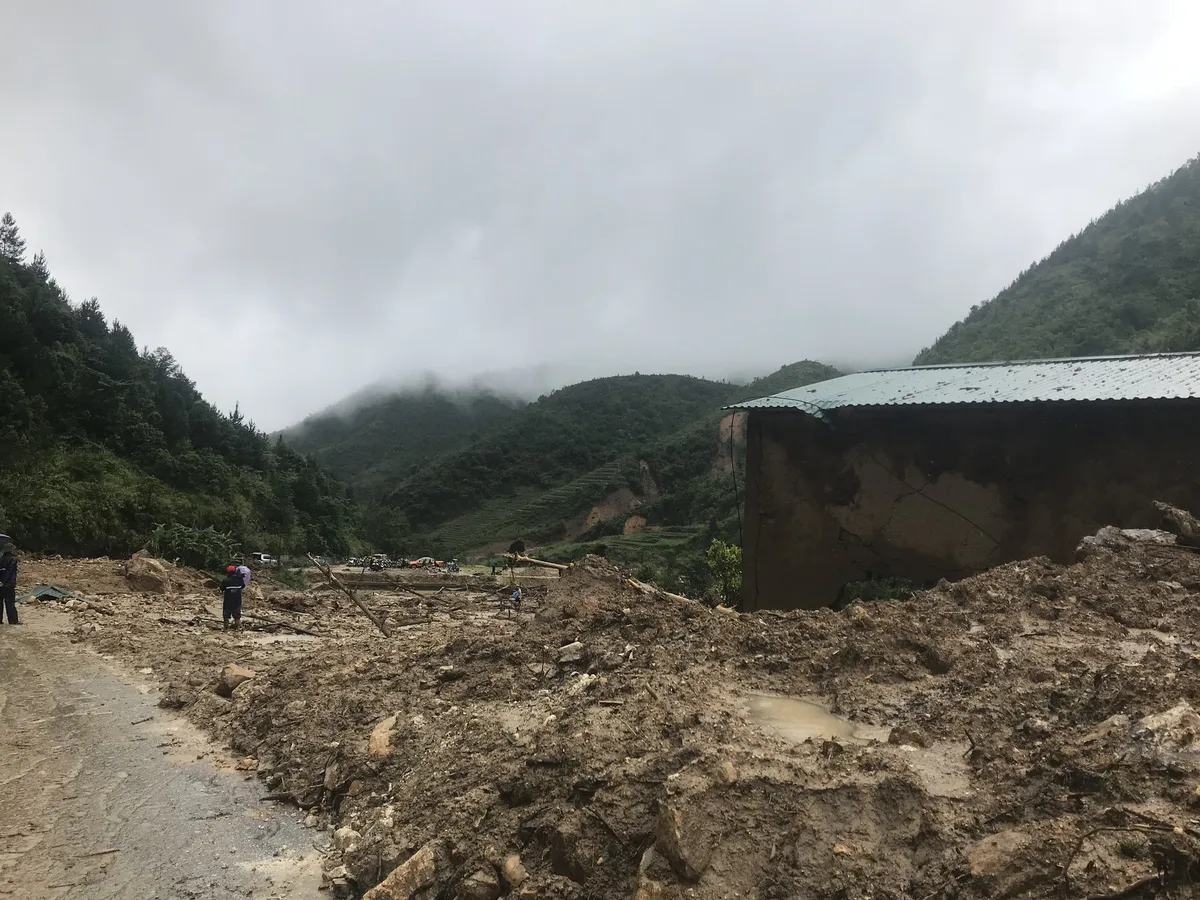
[{"x": 1163, "y": 376}]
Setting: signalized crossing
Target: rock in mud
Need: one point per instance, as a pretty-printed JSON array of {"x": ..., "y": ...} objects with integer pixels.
[
  {"x": 907, "y": 734},
  {"x": 1112, "y": 538},
  {"x": 1036, "y": 728},
  {"x": 209, "y": 707},
  {"x": 727, "y": 773},
  {"x": 996, "y": 863},
  {"x": 418, "y": 872},
  {"x": 380, "y": 742},
  {"x": 1193, "y": 799},
  {"x": 571, "y": 653},
  {"x": 513, "y": 871},
  {"x": 232, "y": 676},
  {"x": 649, "y": 889},
  {"x": 1175, "y": 731},
  {"x": 175, "y": 697},
  {"x": 148, "y": 575},
  {"x": 337, "y": 778},
  {"x": 345, "y": 837},
  {"x": 649, "y": 885},
  {"x": 338, "y": 882},
  {"x": 1180, "y": 522},
  {"x": 483, "y": 885},
  {"x": 682, "y": 843},
  {"x": 572, "y": 852},
  {"x": 995, "y": 853}
]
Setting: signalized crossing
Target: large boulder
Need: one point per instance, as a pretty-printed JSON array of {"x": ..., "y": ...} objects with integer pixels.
[{"x": 148, "y": 575}]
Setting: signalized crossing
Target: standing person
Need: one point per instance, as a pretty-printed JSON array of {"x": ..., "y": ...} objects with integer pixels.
[
  {"x": 231, "y": 603},
  {"x": 8, "y": 580},
  {"x": 243, "y": 570}
]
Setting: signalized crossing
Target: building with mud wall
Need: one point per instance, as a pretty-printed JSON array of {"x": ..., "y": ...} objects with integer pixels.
[{"x": 944, "y": 471}]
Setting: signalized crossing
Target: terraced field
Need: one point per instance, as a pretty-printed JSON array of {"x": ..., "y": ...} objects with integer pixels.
[{"x": 626, "y": 548}]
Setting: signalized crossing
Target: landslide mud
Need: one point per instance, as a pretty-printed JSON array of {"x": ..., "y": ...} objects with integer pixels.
[{"x": 1025, "y": 733}]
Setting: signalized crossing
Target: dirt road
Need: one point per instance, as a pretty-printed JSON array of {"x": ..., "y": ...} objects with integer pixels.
[{"x": 104, "y": 795}]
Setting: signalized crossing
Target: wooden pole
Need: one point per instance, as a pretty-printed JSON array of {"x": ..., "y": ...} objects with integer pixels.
[
  {"x": 518, "y": 557},
  {"x": 337, "y": 583},
  {"x": 653, "y": 591}
]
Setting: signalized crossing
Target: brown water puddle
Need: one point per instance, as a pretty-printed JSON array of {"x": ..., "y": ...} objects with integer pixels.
[
  {"x": 941, "y": 767},
  {"x": 801, "y": 720}
]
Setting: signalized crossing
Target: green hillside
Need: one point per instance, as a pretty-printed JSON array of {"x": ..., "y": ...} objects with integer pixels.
[
  {"x": 1128, "y": 282},
  {"x": 102, "y": 442},
  {"x": 449, "y": 471},
  {"x": 379, "y": 442},
  {"x": 569, "y": 450},
  {"x": 555, "y": 439}
]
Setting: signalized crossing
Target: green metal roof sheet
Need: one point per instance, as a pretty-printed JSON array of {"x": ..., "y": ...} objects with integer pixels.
[{"x": 1163, "y": 376}]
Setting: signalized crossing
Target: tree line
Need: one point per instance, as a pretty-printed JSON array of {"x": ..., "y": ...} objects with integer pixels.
[{"x": 102, "y": 441}]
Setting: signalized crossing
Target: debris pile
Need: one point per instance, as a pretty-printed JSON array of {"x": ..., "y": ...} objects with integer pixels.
[{"x": 1029, "y": 732}]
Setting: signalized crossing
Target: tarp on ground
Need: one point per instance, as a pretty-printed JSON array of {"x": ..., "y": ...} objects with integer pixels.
[{"x": 46, "y": 592}]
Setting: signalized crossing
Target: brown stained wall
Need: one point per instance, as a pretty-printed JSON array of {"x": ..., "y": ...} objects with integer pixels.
[{"x": 943, "y": 493}]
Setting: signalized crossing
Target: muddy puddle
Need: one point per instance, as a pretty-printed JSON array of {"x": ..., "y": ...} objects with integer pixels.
[
  {"x": 801, "y": 720},
  {"x": 940, "y": 767},
  {"x": 268, "y": 640}
]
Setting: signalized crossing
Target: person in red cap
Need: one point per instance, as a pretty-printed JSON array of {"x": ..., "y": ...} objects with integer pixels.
[{"x": 231, "y": 604}]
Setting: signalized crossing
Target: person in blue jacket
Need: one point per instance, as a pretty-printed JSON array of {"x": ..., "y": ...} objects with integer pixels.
[{"x": 8, "y": 580}]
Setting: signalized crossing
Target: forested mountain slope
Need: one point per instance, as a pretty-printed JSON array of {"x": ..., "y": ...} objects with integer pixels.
[
  {"x": 655, "y": 435},
  {"x": 101, "y": 442},
  {"x": 559, "y": 436},
  {"x": 378, "y": 442},
  {"x": 1128, "y": 282}
]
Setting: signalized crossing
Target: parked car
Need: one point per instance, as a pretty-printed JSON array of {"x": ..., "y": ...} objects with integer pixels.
[{"x": 263, "y": 560}]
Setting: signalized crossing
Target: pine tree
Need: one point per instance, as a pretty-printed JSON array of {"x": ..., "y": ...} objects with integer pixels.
[
  {"x": 38, "y": 264},
  {"x": 12, "y": 245}
]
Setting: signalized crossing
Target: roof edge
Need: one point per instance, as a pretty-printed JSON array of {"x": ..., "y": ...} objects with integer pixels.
[{"x": 1029, "y": 362}]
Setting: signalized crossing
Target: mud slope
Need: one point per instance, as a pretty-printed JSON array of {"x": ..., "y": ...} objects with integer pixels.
[{"x": 1026, "y": 733}]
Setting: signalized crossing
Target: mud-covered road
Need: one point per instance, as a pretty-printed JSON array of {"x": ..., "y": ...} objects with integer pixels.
[{"x": 105, "y": 796}]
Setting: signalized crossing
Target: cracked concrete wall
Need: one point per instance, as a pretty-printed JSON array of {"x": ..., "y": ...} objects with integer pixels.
[{"x": 944, "y": 493}]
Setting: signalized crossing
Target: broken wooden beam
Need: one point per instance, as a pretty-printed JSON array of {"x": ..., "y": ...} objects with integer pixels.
[
  {"x": 337, "y": 583},
  {"x": 529, "y": 560}
]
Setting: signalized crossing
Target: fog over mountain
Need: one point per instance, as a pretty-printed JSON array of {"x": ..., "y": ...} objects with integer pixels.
[{"x": 302, "y": 199}]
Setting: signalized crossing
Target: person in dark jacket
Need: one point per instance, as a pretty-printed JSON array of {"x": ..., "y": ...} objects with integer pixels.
[
  {"x": 231, "y": 604},
  {"x": 8, "y": 581}
]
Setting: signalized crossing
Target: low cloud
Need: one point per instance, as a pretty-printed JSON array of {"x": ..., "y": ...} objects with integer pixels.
[{"x": 301, "y": 199}]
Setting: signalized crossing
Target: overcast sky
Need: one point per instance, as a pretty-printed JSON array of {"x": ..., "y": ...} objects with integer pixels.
[{"x": 300, "y": 198}]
